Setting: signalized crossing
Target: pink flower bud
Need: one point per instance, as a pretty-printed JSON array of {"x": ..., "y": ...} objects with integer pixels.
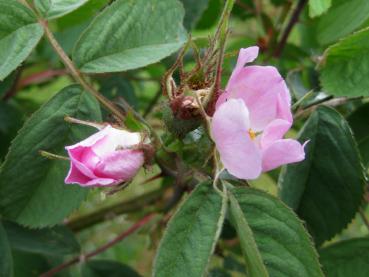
[
  {"x": 107, "y": 158},
  {"x": 252, "y": 117}
]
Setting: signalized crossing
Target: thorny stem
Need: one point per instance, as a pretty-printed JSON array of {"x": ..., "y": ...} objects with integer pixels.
[
  {"x": 125, "y": 207},
  {"x": 101, "y": 249},
  {"x": 78, "y": 77},
  {"x": 221, "y": 35},
  {"x": 293, "y": 20},
  {"x": 222, "y": 27},
  {"x": 76, "y": 74},
  {"x": 167, "y": 81}
]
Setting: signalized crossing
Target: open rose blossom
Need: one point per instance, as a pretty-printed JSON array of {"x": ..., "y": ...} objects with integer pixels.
[
  {"x": 251, "y": 118},
  {"x": 106, "y": 158}
]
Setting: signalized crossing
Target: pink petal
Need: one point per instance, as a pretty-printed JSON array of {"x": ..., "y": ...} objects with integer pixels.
[
  {"x": 283, "y": 151},
  {"x": 265, "y": 94},
  {"x": 114, "y": 140},
  {"x": 284, "y": 104},
  {"x": 261, "y": 87},
  {"x": 230, "y": 131},
  {"x": 274, "y": 131},
  {"x": 76, "y": 155},
  {"x": 246, "y": 55},
  {"x": 75, "y": 176},
  {"x": 91, "y": 140},
  {"x": 121, "y": 165},
  {"x": 101, "y": 182},
  {"x": 81, "y": 155}
]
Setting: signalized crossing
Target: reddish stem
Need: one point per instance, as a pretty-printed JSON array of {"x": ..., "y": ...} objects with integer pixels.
[
  {"x": 41, "y": 77},
  {"x": 104, "y": 247},
  {"x": 294, "y": 19}
]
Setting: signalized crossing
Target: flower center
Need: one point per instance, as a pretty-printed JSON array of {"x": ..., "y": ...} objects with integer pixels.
[{"x": 252, "y": 134}]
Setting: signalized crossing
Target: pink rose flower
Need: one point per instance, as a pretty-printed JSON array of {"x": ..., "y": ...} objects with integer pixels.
[
  {"x": 104, "y": 159},
  {"x": 251, "y": 118}
]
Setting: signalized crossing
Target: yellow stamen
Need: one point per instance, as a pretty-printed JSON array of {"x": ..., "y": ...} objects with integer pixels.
[{"x": 252, "y": 134}]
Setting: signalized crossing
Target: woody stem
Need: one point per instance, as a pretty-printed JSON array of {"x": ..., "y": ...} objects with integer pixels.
[{"x": 75, "y": 73}]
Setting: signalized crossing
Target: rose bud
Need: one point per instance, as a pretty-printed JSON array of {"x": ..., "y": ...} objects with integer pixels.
[
  {"x": 251, "y": 118},
  {"x": 109, "y": 157}
]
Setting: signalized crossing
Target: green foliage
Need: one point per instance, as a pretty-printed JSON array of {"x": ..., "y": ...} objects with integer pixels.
[
  {"x": 29, "y": 264},
  {"x": 326, "y": 189},
  {"x": 318, "y": 7},
  {"x": 56, "y": 241},
  {"x": 19, "y": 34},
  {"x": 6, "y": 259},
  {"x": 358, "y": 121},
  {"x": 210, "y": 15},
  {"x": 83, "y": 14},
  {"x": 190, "y": 237},
  {"x": 254, "y": 263},
  {"x": 130, "y": 34},
  {"x": 342, "y": 18},
  {"x": 193, "y": 12},
  {"x": 7, "y": 84},
  {"x": 258, "y": 235},
  {"x": 280, "y": 237},
  {"x": 102, "y": 268},
  {"x": 51, "y": 9},
  {"x": 39, "y": 197},
  {"x": 346, "y": 258},
  {"x": 10, "y": 122},
  {"x": 346, "y": 66},
  {"x": 116, "y": 86}
]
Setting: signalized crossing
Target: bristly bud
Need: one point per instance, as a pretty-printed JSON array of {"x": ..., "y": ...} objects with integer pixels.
[{"x": 177, "y": 126}]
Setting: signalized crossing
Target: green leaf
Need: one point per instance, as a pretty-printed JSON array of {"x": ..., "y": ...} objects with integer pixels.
[
  {"x": 191, "y": 235},
  {"x": 7, "y": 84},
  {"x": 345, "y": 68},
  {"x": 281, "y": 239},
  {"x": 10, "y": 123},
  {"x": 82, "y": 15},
  {"x": 56, "y": 241},
  {"x": 342, "y": 19},
  {"x": 97, "y": 268},
  {"x": 211, "y": 15},
  {"x": 358, "y": 121},
  {"x": 56, "y": 8},
  {"x": 32, "y": 189},
  {"x": 254, "y": 262},
  {"x": 318, "y": 7},
  {"x": 19, "y": 34},
  {"x": 326, "y": 189},
  {"x": 117, "y": 86},
  {"x": 130, "y": 34},
  {"x": 193, "y": 11},
  {"x": 29, "y": 264},
  {"x": 346, "y": 258},
  {"x": 6, "y": 259}
]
